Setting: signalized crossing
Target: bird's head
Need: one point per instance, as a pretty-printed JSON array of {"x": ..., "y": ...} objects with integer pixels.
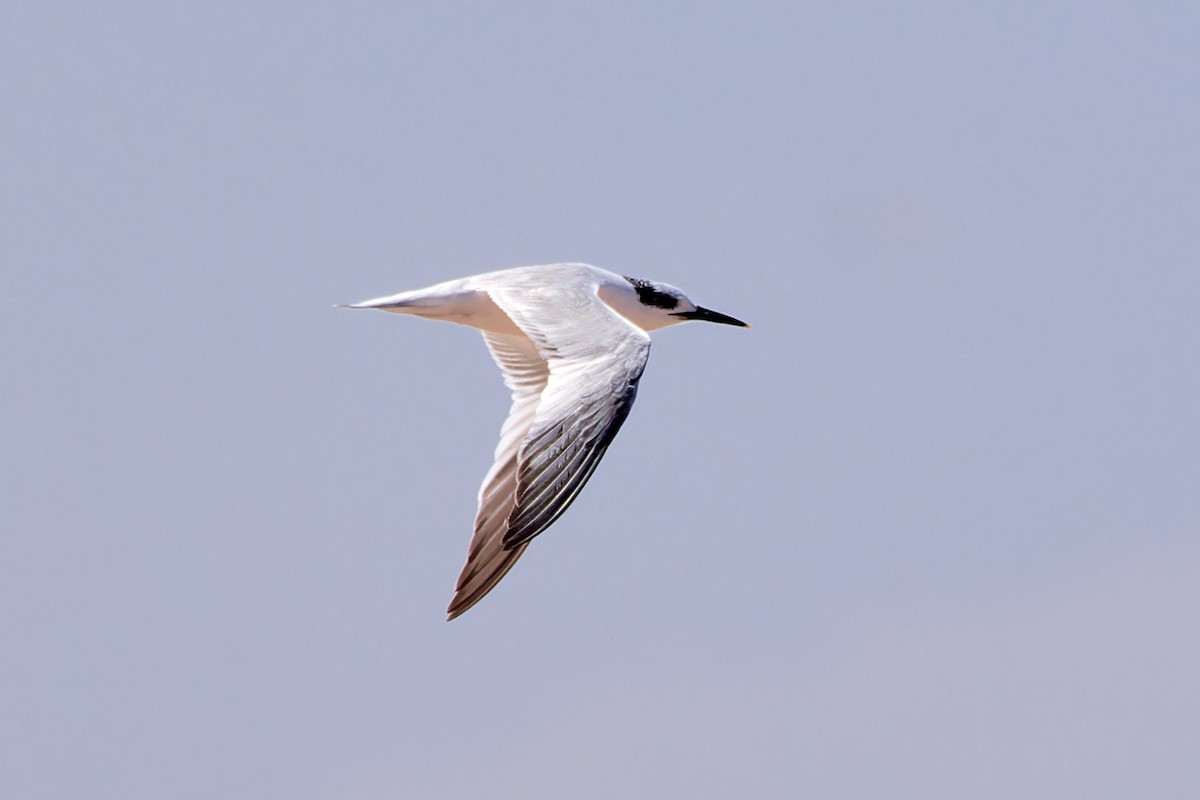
[{"x": 661, "y": 304}]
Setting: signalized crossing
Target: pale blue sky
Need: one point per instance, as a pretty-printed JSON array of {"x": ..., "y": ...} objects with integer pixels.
[{"x": 928, "y": 530}]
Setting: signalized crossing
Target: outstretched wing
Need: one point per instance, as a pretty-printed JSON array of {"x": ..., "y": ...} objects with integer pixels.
[
  {"x": 595, "y": 359},
  {"x": 573, "y": 381}
]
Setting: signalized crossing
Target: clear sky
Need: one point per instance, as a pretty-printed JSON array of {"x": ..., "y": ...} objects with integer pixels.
[{"x": 928, "y": 530}]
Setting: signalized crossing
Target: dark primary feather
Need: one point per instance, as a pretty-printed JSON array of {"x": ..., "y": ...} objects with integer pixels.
[{"x": 557, "y": 463}]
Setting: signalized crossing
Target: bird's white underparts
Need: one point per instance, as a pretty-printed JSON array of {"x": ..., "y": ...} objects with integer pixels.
[{"x": 572, "y": 341}]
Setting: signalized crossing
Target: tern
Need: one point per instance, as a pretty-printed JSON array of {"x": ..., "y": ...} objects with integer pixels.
[{"x": 572, "y": 341}]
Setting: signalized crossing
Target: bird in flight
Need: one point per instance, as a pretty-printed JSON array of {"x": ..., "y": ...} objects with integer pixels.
[{"x": 572, "y": 341}]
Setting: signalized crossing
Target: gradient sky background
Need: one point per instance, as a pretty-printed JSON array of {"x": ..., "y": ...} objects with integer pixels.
[{"x": 928, "y": 530}]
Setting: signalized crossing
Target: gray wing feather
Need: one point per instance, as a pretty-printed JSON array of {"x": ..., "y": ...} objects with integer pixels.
[
  {"x": 488, "y": 560},
  {"x": 558, "y": 460}
]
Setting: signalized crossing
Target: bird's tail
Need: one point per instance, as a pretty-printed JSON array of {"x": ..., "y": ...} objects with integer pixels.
[
  {"x": 453, "y": 302},
  {"x": 405, "y": 302},
  {"x": 442, "y": 301}
]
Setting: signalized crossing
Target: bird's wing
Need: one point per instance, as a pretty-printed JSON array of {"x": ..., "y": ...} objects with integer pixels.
[
  {"x": 525, "y": 374},
  {"x": 573, "y": 381},
  {"x": 595, "y": 359}
]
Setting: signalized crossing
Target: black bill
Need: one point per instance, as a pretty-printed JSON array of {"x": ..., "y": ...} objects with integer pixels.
[{"x": 708, "y": 315}]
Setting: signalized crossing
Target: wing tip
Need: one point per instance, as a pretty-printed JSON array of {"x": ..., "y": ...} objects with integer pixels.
[
  {"x": 460, "y": 604},
  {"x": 470, "y": 590}
]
